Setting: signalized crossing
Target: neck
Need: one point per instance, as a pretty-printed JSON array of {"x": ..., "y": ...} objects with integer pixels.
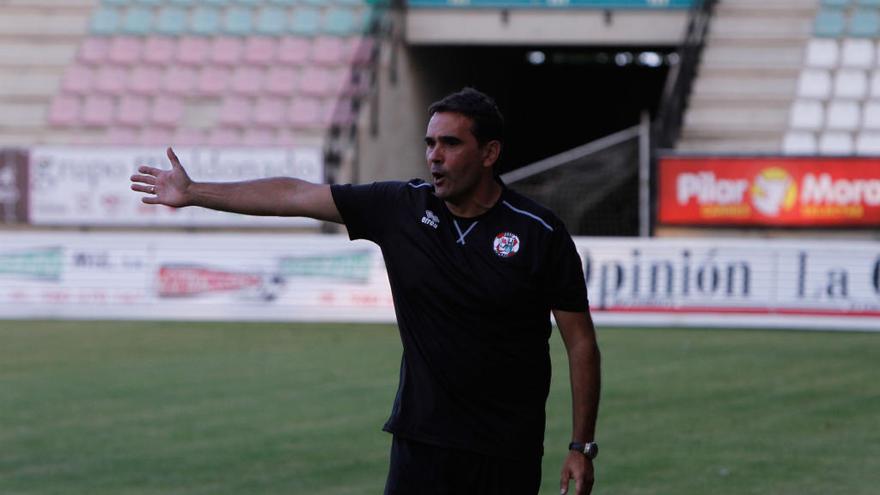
[{"x": 480, "y": 201}]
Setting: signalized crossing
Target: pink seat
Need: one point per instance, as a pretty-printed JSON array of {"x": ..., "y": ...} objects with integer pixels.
[
  {"x": 111, "y": 79},
  {"x": 97, "y": 110},
  {"x": 167, "y": 111},
  {"x": 314, "y": 81},
  {"x": 156, "y": 136},
  {"x": 247, "y": 80},
  {"x": 270, "y": 112},
  {"x": 132, "y": 110},
  {"x": 286, "y": 137},
  {"x": 281, "y": 81},
  {"x": 235, "y": 111},
  {"x": 260, "y": 50},
  {"x": 193, "y": 50},
  {"x": 306, "y": 113},
  {"x": 159, "y": 50},
  {"x": 213, "y": 80},
  {"x": 224, "y": 137},
  {"x": 258, "y": 137},
  {"x": 122, "y": 135},
  {"x": 145, "y": 80},
  {"x": 94, "y": 50},
  {"x": 179, "y": 80},
  {"x": 77, "y": 80},
  {"x": 294, "y": 50},
  {"x": 226, "y": 50},
  {"x": 189, "y": 137},
  {"x": 64, "y": 111},
  {"x": 361, "y": 51},
  {"x": 125, "y": 50},
  {"x": 328, "y": 50}
]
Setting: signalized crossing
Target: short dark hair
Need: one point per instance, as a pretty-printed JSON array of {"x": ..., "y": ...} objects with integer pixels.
[{"x": 488, "y": 121}]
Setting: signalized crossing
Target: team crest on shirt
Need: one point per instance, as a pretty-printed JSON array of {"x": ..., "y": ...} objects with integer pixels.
[
  {"x": 506, "y": 244},
  {"x": 430, "y": 219}
]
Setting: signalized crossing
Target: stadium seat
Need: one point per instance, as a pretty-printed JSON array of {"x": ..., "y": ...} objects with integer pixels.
[
  {"x": 216, "y": 3},
  {"x": 328, "y": 50},
  {"x": 799, "y": 143},
  {"x": 205, "y": 21},
  {"x": 116, "y": 3},
  {"x": 271, "y": 21},
  {"x": 294, "y": 51},
  {"x": 868, "y": 3},
  {"x": 315, "y": 81},
  {"x": 213, "y": 80},
  {"x": 172, "y": 21},
  {"x": 807, "y": 115},
  {"x": 247, "y": 80},
  {"x": 260, "y": 50},
  {"x": 155, "y": 136},
  {"x": 64, "y": 110},
  {"x": 835, "y": 3},
  {"x": 121, "y": 135},
  {"x": 814, "y": 83},
  {"x": 871, "y": 116},
  {"x": 343, "y": 113},
  {"x": 111, "y": 79},
  {"x": 237, "y": 21},
  {"x": 361, "y": 51},
  {"x": 305, "y": 22},
  {"x": 868, "y": 143},
  {"x": 179, "y": 80},
  {"x": 97, "y": 110},
  {"x": 150, "y": 3},
  {"x": 167, "y": 111},
  {"x": 193, "y": 50},
  {"x": 137, "y": 21},
  {"x": 94, "y": 50},
  {"x": 269, "y": 112},
  {"x": 284, "y": 3},
  {"x": 306, "y": 113},
  {"x": 874, "y": 85},
  {"x": 78, "y": 79},
  {"x": 182, "y": 3},
  {"x": 226, "y": 50},
  {"x": 836, "y": 143},
  {"x": 858, "y": 53},
  {"x": 159, "y": 49},
  {"x": 132, "y": 110},
  {"x": 843, "y": 115},
  {"x": 145, "y": 80},
  {"x": 850, "y": 83},
  {"x": 224, "y": 137},
  {"x": 822, "y": 53},
  {"x": 235, "y": 111},
  {"x": 341, "y": 22},
  {"x": 829, "y": 23},
  {"x": 105, "y": 21},
  {"x": 189, "y": 137},
  {"x": 281, "y": 81},
  {"x": 258, "y": 137},
  {"x": 249, "y": 3},
  {"x": 125, "y": 50},
  {"x": 864, "y": 23}
]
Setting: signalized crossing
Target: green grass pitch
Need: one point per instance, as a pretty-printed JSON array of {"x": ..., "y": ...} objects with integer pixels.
[{"x": 239, "y": 408}]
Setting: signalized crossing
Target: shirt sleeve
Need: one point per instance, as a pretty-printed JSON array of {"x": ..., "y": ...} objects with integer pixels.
[
  {"x": 365, "y": 208},
  {"x": 564, "y": 283}
]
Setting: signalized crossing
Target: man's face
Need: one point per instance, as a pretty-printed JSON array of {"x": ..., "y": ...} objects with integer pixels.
[{"x": 456, "y": 159}]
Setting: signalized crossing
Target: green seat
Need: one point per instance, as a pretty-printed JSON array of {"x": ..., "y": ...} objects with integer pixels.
[
  {"x": 237, "y": 20},
  {"x": 864, "y": 23},
  {"x": 116, "y": 3},
  {"x": 271, "y": 21},
  {"x": 868, "y": 3},
  {"x": 284, "y": 3},
  {"x": 137, "y": 20},
  {"x": 105, "y": 21},
  {"x": 829, "y": 23},
  {"x": 249, "y": 3},
  {"x": 205, "y": 20},
  {"x": 306, "y": 21},
  {"x": 341, "y": 22},
  {"x": 835, "y": 3},
  {"x": 171, "y": 21},
  {"x": 150, "y": 3},
  {"x": 215, "y": 3},
  {"x": 182, "y": 3}
]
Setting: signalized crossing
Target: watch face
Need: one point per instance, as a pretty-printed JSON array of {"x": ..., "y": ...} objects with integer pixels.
[{"x": 591, "y": 450}]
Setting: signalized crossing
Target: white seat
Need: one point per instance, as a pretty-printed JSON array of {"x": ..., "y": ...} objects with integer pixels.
[
  {"x": 857, "y": 53},
  {"x": 836, "y": 143},
  {"x": 814, "y": 83},
  {"x": 871, "y": 115},
  {"x": 874, "y": 85},
  {"x": 851, "y": 83},
  {"x": 799, "y": 143},
  {"x": 822, "y": 53},
  {"x": 868, "y": 143},
  {"x": 807, "y": 115},
  {"x": 843, "y": 115}
]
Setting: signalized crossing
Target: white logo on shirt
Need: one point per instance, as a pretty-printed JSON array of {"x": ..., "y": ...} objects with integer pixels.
[
  {"x": 506, "y": 244},
  {"x": 430, "y": 219}
]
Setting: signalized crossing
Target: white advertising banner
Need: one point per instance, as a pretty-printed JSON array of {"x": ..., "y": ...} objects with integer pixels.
[
  {"x": 286, "y": 277},
  {"x": 89, "y": 186}
]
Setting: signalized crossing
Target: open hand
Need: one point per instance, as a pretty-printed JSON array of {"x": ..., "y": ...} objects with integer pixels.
[{"x": 167, "y": 187}]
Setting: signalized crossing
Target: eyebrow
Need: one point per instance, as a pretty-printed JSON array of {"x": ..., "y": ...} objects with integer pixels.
[{"x": 443, "y": 139}]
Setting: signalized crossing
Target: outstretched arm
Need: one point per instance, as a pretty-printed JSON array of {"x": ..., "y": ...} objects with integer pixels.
[
  {"x": 579, "y": 337},
  {"x": 276, "y": 196}
]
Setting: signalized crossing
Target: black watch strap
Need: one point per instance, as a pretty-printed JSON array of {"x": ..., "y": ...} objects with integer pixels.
[{"x": 589, "y": 449}]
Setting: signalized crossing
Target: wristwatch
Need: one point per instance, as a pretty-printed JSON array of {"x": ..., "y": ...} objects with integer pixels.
[{"x": 589, "y": 449}]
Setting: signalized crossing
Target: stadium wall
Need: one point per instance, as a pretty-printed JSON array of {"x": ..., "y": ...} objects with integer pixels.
[{"x": 826, "y": 285}]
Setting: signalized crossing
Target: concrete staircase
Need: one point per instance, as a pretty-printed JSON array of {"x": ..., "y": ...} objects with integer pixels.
[{"x": 747, "y": 77}]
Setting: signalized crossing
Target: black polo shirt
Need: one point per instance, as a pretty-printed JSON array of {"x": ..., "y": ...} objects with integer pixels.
[{"x": 472, "y": 298}]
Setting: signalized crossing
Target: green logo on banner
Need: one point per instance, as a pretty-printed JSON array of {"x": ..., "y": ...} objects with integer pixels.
[
  {"x": 351, "y": 266},
  {"x": 42, "y": 264}
]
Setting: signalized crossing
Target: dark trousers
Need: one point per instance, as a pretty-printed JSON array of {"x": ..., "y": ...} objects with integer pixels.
[{"x": 421, "y": 469}]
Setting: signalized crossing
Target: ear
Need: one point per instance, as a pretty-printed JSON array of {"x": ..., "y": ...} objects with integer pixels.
[{"x": 491, "y": 152}]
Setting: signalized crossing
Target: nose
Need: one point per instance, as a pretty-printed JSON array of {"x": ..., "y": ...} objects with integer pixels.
[{"x": 435, "y": 155}]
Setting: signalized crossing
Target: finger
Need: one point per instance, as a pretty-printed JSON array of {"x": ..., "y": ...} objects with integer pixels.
[
  {"x": 151, "y": 200},
  {"x": 579, "y": 486},
  {"x": 149, "y": 170},
  {"x": 563, "y": 483},
  {"x": 175, "y": 162},
  {"x": 144, "y": 189},
  {"x": 146, "y": 179}
]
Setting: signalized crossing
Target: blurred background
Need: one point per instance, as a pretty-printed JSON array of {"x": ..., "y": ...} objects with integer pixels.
[{"x": 716, "y": 161}]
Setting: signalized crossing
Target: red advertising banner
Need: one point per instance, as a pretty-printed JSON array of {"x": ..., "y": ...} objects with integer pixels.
[{"x": 769, "y": 191}]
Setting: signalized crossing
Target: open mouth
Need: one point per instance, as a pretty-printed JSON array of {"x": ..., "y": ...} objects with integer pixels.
[{"x": 438, "y": 178}]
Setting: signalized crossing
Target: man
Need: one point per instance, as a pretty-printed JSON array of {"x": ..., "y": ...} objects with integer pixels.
[{"x": 475, "y": 271}]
